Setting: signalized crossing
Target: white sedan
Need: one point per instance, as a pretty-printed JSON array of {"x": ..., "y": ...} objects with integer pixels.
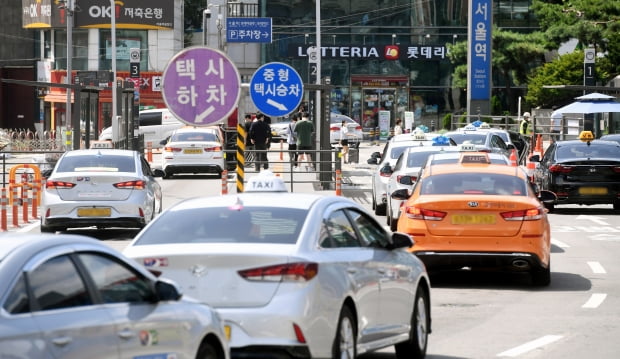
[
  {"x": 193, "y": 150},
  {"x": 304, "y": 275},
  {"x": 69, "y": 296},
  {"x": 100, "y": 187}
]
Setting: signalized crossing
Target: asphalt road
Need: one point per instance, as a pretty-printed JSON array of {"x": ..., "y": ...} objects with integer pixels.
[{"x": 493, "y": 315}]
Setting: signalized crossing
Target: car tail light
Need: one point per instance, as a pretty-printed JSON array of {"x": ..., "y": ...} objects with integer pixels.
[
  {"x": 358, "y": 128},
  {"x": 415, "y": 212},
  {"x": 138, "y": 184},
  {"x": 616, "y": 169},
  {"x": 58, "y": 184},
  {"x": 289, "y": 272},
  {"x": 213, "y": 149},
  {"x": 172, "y": 149},
  {"x": 334, "y": 128},
  {"x": 531, "y": 214},
  {"x": 561, "y": 169},
  {"x": 299, "y": 334}
]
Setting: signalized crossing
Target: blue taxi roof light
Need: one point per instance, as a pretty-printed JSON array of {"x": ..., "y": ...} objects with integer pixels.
[{"x": 441, "y": 141}]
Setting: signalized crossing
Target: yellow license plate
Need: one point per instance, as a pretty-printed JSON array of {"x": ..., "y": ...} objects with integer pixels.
[
  {"x": 227, "y": 332},
  {"x": 94, "y": 212},
  {"x": 592, "y": 190},
  {"x": 192, "y": 151},
  {"x": 473, "y": 219}
]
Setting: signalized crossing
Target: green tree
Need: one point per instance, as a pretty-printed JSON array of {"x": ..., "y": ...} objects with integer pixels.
[{"x": 566, "y": 70}]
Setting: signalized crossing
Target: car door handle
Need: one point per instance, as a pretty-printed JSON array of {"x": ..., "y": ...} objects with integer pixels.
[
  {"x": 61, "y": 341},
  {"x": 126, "y": 334}
]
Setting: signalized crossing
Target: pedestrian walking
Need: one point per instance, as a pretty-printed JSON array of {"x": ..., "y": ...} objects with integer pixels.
[
  {"x": 525, "y": 127},
  {"x": 304, "y": 130},
  {"x": 249, "y": 147},
  {"x": 344, "y": 141},
  {"x": 291, "y": 140},
  {"x": 260, "y": 133},
  {"x": 398, "y": 128}
]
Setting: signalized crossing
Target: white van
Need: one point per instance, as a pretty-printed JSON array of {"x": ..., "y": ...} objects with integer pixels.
[{"x": 156, "y": 125}]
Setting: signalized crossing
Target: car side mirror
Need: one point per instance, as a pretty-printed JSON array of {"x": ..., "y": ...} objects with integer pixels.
[
  {"x": 167, "y": 290},
  {"x": 511, "y": 146},
  {"x": 535, "y": 158},
  {"x": 406, "y": 180},
  {"x": 400, "y": 194},
  {"x": 401, "y": 240},
  {"x": 387, "y": 170},
  {"x": 547, "y": 197},
  {"x": 372, "y": 161}
]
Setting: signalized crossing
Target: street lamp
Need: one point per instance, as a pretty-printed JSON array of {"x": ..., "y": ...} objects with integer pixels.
[
  {"x": 115, "y": 129},
  {"x": 454, "y": 36},
  {"x": 206, "y": 15},
  {"x": 393, "y": 38}
]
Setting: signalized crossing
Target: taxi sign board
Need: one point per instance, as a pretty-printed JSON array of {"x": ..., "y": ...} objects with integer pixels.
[
  {"x": 201, "y": 86},
  {"x": 266, "y": 181},
  {"x": 276, "y": 89}
]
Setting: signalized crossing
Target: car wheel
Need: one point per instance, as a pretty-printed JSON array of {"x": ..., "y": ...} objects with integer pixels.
[
  {"x": 541, "y": 277},
  {"x": 344, "y": 342},
  {"x": 550, "y": 207},
  {"x": 415, "y": 347},
  {"x": 617, "y": 205},
  {"x": 167, "y": 175},
  {"x": 47, "y": 229},
  {"x": 380, "y": 209},
  {"x": 208, "y": 351}
]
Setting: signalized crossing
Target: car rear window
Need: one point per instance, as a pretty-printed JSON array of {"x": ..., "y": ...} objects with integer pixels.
[
  {"x": 96, "y": 163},
  {"x": 417, "y": 159},
  {"x": 473, "y": 138},
  {"x": 582, "y": 150},
  {"x": 226, "y": 225},
  {"x": 193, "y": 137},
  {"x": 473, "y": 183}
]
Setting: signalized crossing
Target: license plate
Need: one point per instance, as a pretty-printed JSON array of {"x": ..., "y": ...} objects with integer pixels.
[
  {"x": 192, "y": 151},
  {"x": 473, "y": 219},
  {"x": 227, "y": 332},
  {"x": 592, "y": 190},
  {"x": 94, "y": 212}
]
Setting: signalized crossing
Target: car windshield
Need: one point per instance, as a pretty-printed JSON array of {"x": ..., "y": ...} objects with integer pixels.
[
  {"x": 395, "y": 152},
  {"x": 96, "y": 163},
  {"x": 236, "y": 224},
  {"x": 473, "y": 183},
  {"x": 473, "y": 138},
  {"x": 417, "y": 159},
  {"x": 582, "y": 150},
  {"x": 193, "y": 137}
]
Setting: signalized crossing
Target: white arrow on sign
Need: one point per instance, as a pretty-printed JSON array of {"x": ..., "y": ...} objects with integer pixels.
[
  {"x": 277, "y": 105},
  {"x": 595, "y": 219},
  {"x": 605, "y": 237}
]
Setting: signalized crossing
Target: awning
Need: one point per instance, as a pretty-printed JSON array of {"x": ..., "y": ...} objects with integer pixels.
[{"x": 57, "y": 98}]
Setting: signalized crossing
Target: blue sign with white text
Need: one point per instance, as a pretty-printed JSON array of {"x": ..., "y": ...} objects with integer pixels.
[
  {"x": 276, "y": 89},
  {"x": 480, "y": 50},
  {"x": 248, "y": 29}
]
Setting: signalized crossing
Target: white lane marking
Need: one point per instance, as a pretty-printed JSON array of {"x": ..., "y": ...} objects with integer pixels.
[
  {"x": 595, "y": 219},
  {"x": 516, "y": 351},
  {"x": 595, "y": 300},
  {"x": 597, "y": 268},
  {"x": 559, "y": 243}
]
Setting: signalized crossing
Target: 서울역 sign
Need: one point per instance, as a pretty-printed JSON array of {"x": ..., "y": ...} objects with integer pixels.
[
  {"x": 201, "y": 86},
  {"x": 276, "y": 89}
]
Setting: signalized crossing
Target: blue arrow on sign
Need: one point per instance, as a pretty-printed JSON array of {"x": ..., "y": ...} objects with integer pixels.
[{"x": 276, "y": 89}]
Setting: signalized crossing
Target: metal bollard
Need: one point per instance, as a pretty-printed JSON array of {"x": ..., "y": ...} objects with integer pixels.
[
  {"x": 149, "y": 151},
  {"x": 25, "y": 202},
  {"x": 35, "y": 198},
  {"x": 224, "y": 182}
]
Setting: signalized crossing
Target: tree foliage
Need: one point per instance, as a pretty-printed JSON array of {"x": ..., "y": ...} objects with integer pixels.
[{"x": 566, "y": 70}]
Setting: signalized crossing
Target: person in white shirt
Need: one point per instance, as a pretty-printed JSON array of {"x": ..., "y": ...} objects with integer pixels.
[
  {"x": 291, "y": 139},
  {"x": 556, "y": 124},
  {"x": 344, "y": 140},
  {"x": 398, "y": 129}
]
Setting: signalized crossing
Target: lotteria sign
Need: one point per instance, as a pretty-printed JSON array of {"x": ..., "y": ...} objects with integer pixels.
[{"x": 381, "y": 52}]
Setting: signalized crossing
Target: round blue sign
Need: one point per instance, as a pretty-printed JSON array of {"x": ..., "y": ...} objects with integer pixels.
[
  {"x": 201, "y": 86},
  {"x": 276, "y": 89}
]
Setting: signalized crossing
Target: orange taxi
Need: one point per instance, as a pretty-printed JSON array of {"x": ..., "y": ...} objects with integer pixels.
[{"x": 477, "y": 215}]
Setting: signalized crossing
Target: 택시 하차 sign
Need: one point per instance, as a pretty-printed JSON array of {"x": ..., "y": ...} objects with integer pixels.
[{"x": 201, "y": 86}]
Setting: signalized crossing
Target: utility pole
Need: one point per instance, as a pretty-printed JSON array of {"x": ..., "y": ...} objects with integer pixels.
[
  {"x": 115, "y": 129},
  {"x": 70, "y": 8}
]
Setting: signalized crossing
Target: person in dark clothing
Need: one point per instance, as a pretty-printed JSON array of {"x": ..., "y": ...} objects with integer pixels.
[
  {"x": 249, "y": 154},
  {"x": 260, "y": 133}
]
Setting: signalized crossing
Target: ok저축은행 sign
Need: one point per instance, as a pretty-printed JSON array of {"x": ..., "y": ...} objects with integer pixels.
[{"x": 201, "y": 86}]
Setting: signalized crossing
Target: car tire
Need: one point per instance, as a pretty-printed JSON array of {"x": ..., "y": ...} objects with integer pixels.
[
  {"x": 541, "y": 277},
  {"x": 550, "y": 207},
  {"x": 415, "y": 347},
  {"x": 167, "y": 175},
  {"x": 616, "y": 205},
  {"x": 346, "y": 333},
  {"x": 380, "y": 209},
  {"x": 47, "y": 229},
  {"x": 208, "y": 351}
]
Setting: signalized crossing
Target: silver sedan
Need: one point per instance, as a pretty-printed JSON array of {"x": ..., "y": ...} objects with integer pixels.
[
  {"x": 100, "y": 187},
  {"x": 69, "y": 296},
  {"x": 301, "y": 275}
]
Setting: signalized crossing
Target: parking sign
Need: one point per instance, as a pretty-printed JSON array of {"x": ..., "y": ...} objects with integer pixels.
[
  {"x": 201, "y": 86},
  {"x": 276, "y": 89}
]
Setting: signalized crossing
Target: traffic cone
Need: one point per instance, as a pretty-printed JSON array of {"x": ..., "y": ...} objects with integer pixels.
[
  {"x": 513, "y": 157},
  {"x": 531, "y": 166}
]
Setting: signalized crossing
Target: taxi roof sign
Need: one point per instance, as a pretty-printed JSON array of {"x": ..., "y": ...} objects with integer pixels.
[
  {"x": 484, "y": 125},
  {"x": 586, "y": 136},
  {"x": 266, "y": 181},
  {"x": 467, "y": 147},
  {"x": 470, "y": 127},
  {"x": 418, "y": 135},
  {"x": 479, "y": 158}
]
